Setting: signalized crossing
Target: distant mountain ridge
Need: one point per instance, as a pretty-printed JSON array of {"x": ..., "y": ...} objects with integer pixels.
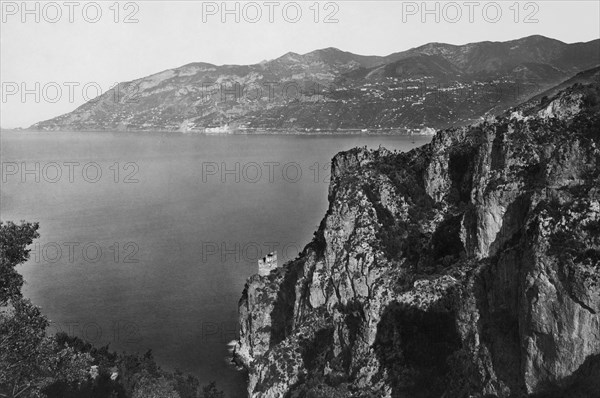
[{"x": 434, "y": 85}]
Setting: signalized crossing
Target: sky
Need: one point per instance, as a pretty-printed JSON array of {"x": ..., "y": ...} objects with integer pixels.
[{"x": 55, "y": 55}]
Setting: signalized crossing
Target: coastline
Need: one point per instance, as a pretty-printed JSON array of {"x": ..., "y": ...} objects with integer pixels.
[{"x": 259, "y": 131}]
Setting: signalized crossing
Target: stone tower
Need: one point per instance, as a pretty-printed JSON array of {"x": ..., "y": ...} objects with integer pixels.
[{"x": 267, "y": 264}]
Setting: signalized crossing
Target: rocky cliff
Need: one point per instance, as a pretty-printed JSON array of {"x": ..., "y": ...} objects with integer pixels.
[{"x": 469, "y": 267}]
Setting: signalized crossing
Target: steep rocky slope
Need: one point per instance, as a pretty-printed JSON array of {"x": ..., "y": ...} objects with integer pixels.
[
  {"x": 590, "y": 76},
  {"x": 331, "y": 89},
  {"x": 469, "y": 267}
]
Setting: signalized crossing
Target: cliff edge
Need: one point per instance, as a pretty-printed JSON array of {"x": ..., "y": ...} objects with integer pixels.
[{"x": 469, "y": 267}]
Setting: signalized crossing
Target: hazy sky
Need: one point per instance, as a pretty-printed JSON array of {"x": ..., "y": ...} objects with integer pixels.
[{"x": 75, "y": 44}]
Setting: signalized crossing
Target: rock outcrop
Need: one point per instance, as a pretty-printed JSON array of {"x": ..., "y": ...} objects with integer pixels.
[{"x": 469, "y": 267}]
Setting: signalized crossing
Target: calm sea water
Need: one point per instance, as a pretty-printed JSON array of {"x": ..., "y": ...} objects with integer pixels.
[{"x": 147, "y": 239}]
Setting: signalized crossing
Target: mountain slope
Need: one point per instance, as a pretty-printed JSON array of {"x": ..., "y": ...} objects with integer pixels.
[
  {"x": 591, "y": 76},
  {"x": 493, "y": 57},
  {"x": 469, "y": 267},
  {"x": 434, "y": 85}
]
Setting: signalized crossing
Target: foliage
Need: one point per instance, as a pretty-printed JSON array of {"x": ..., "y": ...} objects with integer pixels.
[
  {"x": 150, "y": 387},
  {"x": 13, "y": 242},
  {"x": 137, "y": 374},
  {"x": 210, "y": 391},
  {"x": 591, "y": 97},
  {"x": 29, "y": 360}
]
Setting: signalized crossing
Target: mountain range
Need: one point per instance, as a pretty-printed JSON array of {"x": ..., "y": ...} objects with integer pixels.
[{"x": 432, "y": 86}]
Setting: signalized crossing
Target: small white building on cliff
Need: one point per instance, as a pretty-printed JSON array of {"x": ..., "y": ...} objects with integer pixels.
[{"x": 267, "y": 264}]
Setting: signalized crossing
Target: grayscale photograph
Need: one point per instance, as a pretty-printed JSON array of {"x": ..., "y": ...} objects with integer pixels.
[{"x": 299, "y": 199}]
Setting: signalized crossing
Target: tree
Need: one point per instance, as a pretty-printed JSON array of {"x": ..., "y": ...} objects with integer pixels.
[
  {"x": 29, "y": 360},
  {"x": 152, "y": 387},
  {"x": 210, "y": 391},
  {"x": 14, "y": 240}
]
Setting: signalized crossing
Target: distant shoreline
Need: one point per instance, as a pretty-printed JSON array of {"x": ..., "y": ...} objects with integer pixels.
[{"x": 345, "y": 132}]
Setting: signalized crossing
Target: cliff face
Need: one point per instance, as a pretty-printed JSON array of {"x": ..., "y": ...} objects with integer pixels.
[{"x": 469, "y": 267}]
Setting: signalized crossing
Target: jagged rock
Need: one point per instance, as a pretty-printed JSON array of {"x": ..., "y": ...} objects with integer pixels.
[{"x": 469, "y": 267}]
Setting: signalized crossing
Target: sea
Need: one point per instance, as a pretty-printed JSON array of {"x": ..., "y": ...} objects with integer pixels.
[{"x": 147, "y": 239}]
